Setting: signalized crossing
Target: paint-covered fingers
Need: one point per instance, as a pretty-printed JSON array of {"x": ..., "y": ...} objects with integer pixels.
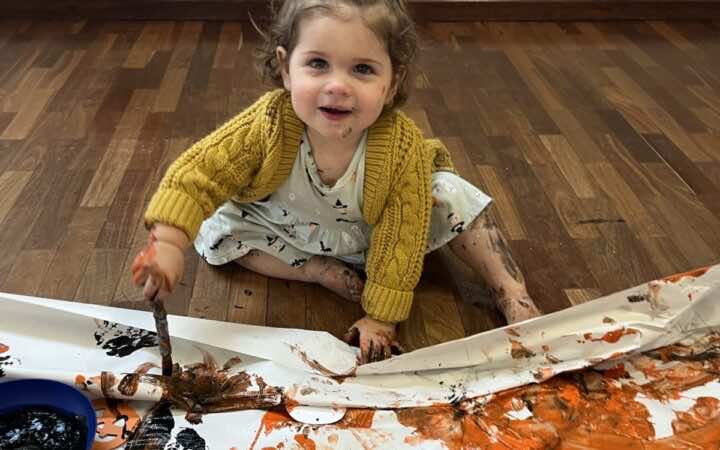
[
  {"x": 352, "y": 336},
  {"x": 375, "y": 338},
  {"x": 158, "y": 267}
]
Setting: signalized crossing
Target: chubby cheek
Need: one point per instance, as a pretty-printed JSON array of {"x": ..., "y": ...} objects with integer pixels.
[{"x": 303, "y": 98}]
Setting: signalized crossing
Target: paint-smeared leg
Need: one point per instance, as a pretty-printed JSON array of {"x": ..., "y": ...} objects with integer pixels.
[
  {"x": 336, "y": 276},
  {"x": 324, "y": 270},
  {"x": 483, "y": 247}
]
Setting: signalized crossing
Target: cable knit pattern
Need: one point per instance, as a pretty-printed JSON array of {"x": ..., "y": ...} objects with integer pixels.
[{"x": 250, "y": 156}]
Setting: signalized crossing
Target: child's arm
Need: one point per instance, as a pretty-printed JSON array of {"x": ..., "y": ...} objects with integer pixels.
[
  {"x": 196, "y": 184},
  {"x": 397, "y": 248}
]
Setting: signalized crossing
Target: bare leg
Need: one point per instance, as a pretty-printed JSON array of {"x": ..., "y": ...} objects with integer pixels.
[
  {"x": 483, "y": 248},
  {"x": 324, "y": 270}
]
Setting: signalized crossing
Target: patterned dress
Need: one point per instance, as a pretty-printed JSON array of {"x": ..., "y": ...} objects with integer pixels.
[{"x": 306, "y": 217}]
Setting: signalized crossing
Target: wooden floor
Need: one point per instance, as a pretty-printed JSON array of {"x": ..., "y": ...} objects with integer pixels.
[{"x": 600, "y": 143}]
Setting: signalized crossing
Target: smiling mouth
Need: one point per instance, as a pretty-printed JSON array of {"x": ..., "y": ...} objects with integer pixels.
[{"x": 335, "y": 112}]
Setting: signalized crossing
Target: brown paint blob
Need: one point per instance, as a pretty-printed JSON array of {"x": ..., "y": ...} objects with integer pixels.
[{"x": 518, "y": 350}]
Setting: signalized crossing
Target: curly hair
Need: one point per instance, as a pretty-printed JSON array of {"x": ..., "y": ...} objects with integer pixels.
[{"x": 388, "y": 19}]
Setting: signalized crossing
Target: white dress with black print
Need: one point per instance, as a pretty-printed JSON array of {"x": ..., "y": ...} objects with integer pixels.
[{"x": 306, "y": 217}]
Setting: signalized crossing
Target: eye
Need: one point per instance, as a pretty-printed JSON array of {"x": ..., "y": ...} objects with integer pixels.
[
  {"x": 317, "y": 64},
  {"x": 364, "y": 69}
]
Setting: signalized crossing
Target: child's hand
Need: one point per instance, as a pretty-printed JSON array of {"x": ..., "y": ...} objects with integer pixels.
[
  {"x": 159, "y": 265},
  {"x": 376, "y": 339}
]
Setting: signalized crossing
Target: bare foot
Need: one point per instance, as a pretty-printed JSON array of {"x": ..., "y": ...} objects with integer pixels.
[
  {"x": 336, "y": 276},
  {"x": 517, "y": 309}
]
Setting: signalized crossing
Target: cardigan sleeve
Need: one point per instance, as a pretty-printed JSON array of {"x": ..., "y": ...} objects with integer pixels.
[
  {"x": 399, "y": 241},
  {"x": 210, "y": 172}
]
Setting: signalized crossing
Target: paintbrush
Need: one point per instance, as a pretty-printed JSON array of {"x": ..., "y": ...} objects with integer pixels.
[{"x": 161, "y": 324}]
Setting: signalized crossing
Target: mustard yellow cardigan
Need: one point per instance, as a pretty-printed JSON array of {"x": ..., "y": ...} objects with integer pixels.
[{"x": 251, "y": 155}]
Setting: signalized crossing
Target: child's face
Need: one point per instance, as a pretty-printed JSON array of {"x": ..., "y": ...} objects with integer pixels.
[{"x": 339, "y": 75}]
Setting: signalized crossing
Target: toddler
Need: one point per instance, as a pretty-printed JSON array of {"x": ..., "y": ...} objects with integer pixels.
[{"x": 324, "y": 176}]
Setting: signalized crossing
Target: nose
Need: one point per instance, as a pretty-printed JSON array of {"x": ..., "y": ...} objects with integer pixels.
[{"x": 338, "y": 85}]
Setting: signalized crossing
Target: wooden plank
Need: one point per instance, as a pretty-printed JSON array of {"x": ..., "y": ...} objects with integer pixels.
[
  {"x": 101, "y": 276},
  {"x": 690, "y": 245},
  {"x": 577, "y": 221},
  {"x": 442, "y": 318},
  {"x": 106, "y": 180},
  {"x": 411, "y": 333},
  {"x": 66, "y": 271},
  {"x": 628, "y": 204},
  {"x": 210, "y": 292},
  {"x": 286, "y": 304},
  {"x": 616, "y": 260},
  {"x": 326, "y": 311},
  {"x": 14, "y": 101},
  {"x": 677, "y": 193},
  {"x": 29, "y": 113},
  {"x": 578, "y": 296},
  {"x": 630, "y": 169},
  {"x": 27, "y": 272},
  {"x": 12, "y": 184},
  {"x": 248, "y": 297},
  {"x": 143, "y": 49},
  {"x": 569, "y": 164},
  {"x": 125, "y": 211},
  {"x": 681, "y": 164},
  {"x": 503, "y": 202},
  {"x": 51, "y": 225}
]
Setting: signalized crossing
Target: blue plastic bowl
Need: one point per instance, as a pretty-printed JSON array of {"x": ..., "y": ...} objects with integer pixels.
[{"x": 20, "y": 394}]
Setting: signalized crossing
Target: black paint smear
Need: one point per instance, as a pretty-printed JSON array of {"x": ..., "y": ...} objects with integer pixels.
[
  {"x": 188, "y": 439},
  {"x": 5, "y": 361},
  {"x": 598, "y": 221},
  {"x": 120, "y": 340},
  {"x": 154, "y": 430},
  {"x": 637, "y": 298},
  {"x": 42, "y": 428}
]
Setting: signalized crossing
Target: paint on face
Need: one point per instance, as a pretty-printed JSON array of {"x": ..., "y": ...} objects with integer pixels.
[
  {"x": 119, "y": 340},
  {"x": 338, "y": 87}
]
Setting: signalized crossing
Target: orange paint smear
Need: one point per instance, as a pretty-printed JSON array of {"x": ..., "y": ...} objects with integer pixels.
[
  {"x": 291, "y": 404},
  {"x": 567, "y": 415},
  {"x": 616, "y": 372},
  {"x": 305, "y": 442},
  {"x": 611, "y": 337},
  {"x": 4, "y": 348},
  {"x": 116, "y": 420},
  {"x": 357, "y": 418},
  {"x": 693, "y": 273},
  {"x": 568, "y": 411}
]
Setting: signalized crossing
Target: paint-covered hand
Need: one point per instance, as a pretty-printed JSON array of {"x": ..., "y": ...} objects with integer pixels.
[
  {"x": 377, "y": 340},
  {"x": 160, "y": 264}
]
